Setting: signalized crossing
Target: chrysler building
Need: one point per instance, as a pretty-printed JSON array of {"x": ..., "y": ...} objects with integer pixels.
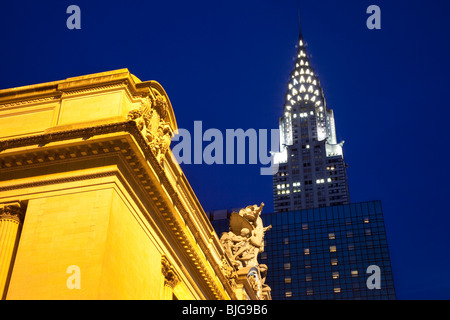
[{"x": 311, "y": 167}]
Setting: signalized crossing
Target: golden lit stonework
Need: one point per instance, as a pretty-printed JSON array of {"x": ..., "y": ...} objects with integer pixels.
[{"x": 92, "y": 203}]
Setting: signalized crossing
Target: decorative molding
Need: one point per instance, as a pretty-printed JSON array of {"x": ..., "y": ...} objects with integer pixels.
[
  {"x": 118, "y": 84},
  {"x": 170, "y": 277},
  {"x": 12, "y": 211},
  {"x": 28, "y": 101}
]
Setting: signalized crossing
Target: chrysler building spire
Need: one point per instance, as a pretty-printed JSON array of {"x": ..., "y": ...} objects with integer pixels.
[{"x": 312, "y": 171}]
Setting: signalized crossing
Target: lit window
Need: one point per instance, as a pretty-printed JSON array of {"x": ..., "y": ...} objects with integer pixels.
[
  {"x": 287, "y": 266},
  {"x": 308, "y": 277},
  {"x": 302, "y": 88},
  {"x": 334, "y": 262},
  {"x": 335, "y": 275},
  {"x": 354, "y": 273},
  {"x": 288, "y": 294},
  {"x": 306, "y": 251},
  {"x": 302, "y": 79},
  {"x": 366, "y": 220},
  {"x": 331, "y": 236},
  {"x": 337, "y": 290},
  {"x": 304, "y": 226},
  {"x": 329, "y": 180},
  {"x": 288, "y": 280},
  {"x": 332, "y": 248}
]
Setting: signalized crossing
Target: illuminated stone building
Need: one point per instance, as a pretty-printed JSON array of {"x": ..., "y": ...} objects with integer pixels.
[
  {"x": 312, "y": 171},
  {"x": 92, "y": 203}
]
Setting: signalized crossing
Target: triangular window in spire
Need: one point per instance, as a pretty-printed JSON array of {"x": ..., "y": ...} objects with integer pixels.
[{"x": 302, "y": 88}]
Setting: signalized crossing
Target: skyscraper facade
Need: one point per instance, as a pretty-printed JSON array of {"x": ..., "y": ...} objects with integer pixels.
[
  {"x": 329, "y": 253},
  {"x": 311, "y": 167}
]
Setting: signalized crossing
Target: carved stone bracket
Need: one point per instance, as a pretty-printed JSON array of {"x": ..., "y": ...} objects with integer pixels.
[
  {"x": 152, "y": 121},
  {"x": 170, "y": 277}
]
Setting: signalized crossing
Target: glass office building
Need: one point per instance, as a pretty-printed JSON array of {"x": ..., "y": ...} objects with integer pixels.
[{"x": 326, "y": 253}]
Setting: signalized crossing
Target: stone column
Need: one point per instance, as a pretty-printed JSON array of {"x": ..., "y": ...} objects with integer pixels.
[{"x": 11, "y": 217}]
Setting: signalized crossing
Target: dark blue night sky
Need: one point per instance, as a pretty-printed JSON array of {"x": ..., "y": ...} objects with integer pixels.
[{"x": 227, "y": 63}]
